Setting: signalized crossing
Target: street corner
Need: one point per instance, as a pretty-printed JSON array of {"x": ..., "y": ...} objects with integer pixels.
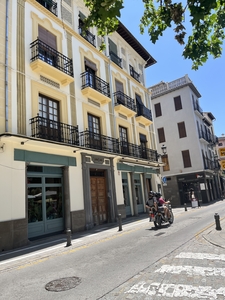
[{"x": 216, "y": 234}]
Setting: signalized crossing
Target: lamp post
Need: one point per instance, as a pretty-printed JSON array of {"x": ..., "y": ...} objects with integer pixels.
[{"x": 163, "y": 148}]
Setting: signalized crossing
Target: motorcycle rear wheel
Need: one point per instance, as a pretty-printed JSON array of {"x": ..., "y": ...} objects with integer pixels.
[{"x": 158, "y": 222}]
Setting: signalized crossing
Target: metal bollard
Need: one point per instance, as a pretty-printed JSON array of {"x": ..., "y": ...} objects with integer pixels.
[
  {"x": 217, "y": 220},
  {"x": 120, "y": 222},
  {"x": 68, "y": 236},
  {"x": 185, "y": 206}
]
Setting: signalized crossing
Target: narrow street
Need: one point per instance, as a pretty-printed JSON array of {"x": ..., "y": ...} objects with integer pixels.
[{"x": 138, "y": 262}]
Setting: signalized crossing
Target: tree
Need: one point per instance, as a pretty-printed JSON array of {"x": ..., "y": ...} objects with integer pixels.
[{"x": 207, "y": 18}]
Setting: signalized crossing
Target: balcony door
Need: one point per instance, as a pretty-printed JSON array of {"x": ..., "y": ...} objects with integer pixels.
[
  {"x": 94, "y": 132},
  {"x": 47, "y": 49},
  {"x": 90, "y": 69},
  {"x": 139, "y": 105},
  {"x": 143, "y": 142},
  {"x": 49, "y": 125},
  {"x": 119, "y": 92},
  {"x": 124, "y": 140}
]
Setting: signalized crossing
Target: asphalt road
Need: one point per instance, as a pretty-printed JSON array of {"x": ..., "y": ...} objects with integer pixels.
[{"x": 107, "y": 264}]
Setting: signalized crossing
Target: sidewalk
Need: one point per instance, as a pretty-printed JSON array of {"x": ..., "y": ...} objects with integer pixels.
[{"x": 214, "y": 236}]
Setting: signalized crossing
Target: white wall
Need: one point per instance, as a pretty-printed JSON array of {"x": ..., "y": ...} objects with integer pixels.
[{"x": 12, "y": 184}]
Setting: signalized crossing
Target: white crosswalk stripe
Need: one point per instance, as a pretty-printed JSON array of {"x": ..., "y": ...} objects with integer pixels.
[
  {"x": 201, "y": 256},
  {"x": 192, "y": 271},
  {"x": 176, "y": 290},
  {"x": 179, "y": 290}
]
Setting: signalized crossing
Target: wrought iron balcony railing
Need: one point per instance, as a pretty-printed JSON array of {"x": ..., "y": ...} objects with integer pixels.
[
  {"x": 134, "y": 74},
  {"x": 98, "y": 141},
  {"x": 213, "y": 139},
  {"x": 138, "y": 151},
  {"x": 54, "y": 131},
  {"x": 121, "y": 98},
  {"x": 197, "y": 107},
  {"x": 49, "y": 5},
  {"x": 144, "y": 111},
  {"x": 105, "y": 143},
  {"x": 87, "y": 35},
  {"x": 40, "y": 50},
  {"x": 116, "y": 59},
  {"x": 210, "y": 164},
  {"x": 203, "y": 135},
  {"x": 96, "y": 83}
]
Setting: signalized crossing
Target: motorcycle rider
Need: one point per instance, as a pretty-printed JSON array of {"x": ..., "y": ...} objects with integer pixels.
[{"x": 162, "y": 203}]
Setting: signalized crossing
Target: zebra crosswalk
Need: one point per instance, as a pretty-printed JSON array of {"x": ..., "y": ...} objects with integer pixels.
[{"x": 192, "y": 275}]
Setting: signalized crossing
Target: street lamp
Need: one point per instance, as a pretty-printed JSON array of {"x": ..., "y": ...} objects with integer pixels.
[{"x": 163, "y": 148}]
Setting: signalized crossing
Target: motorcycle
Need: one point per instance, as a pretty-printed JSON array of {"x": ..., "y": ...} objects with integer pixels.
[{"x": 156, "y": 215}]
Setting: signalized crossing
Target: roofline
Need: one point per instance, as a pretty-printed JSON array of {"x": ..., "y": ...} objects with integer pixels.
[{"x": 134, "y": 43}]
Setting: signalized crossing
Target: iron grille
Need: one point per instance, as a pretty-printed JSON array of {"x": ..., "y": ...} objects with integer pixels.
[
  {"x": 40, "y": 50},
  {"x": 49, "y": 5},
  {"x": 121, "y": 98},
  {"x": 93, "y": 81},
  {"x": 55, "y": 131}
]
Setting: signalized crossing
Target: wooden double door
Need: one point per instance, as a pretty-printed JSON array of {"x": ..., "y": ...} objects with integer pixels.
[{"x": 99, "y": 200}]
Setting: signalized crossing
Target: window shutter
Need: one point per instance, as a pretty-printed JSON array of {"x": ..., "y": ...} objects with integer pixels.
[
  {"x": 112, "y": 46},
  {"x": 186, "y": 158},
  {"x": 165, "y": 160},
  {"x": 161, "y": 135},
  {"x": 47, "y": 37},
  {"x": 90, "y": 64},
  {"x": 177, "y": 103},
  {"x": 181, "y": 129},
  {"x": 158, "y": 111},
  {"x": 119, "y": 86},
  {"x": 82, "y": 16}
]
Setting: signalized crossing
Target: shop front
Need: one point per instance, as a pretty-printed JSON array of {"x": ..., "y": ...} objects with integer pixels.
[
  {"x": 136, "y": 183},
  {"x": 45, "y": 200},
  {"x": 199, "y": 186}
]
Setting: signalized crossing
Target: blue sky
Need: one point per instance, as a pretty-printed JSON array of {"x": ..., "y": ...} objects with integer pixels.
[{"x": 208, "y": 79}]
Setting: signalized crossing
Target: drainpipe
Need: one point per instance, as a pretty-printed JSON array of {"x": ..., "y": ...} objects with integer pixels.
[
  {"x": 6, "y": 65},
  {"x": 111, "y": 90}
]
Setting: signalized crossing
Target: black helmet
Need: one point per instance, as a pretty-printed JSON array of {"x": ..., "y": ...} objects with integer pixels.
[
  {"x": 151, "y": 193},
  {"x": 158, "y": 195}
]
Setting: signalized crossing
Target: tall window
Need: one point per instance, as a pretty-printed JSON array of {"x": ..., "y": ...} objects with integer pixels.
[
  {"x": 49, "y": 123},
  {"x": 181, "y": 130},
  {"x": 158, "y": 111},
  {"x": 177, "y": 103},
  {"x": 186, "y": 158},
  {"x": 47, "y": 54},
  {"x": 165, "y": 160},
  {"x": 123, "y": 140},
  {"x": 94, "y": 131},
  {"x": 161, "y": 135},
  {"x": 139, "y": 104},
  {"x": 48, "y": 108},
  {"x": 143, "y": 142},
  {"x": 90, "y": 69}
]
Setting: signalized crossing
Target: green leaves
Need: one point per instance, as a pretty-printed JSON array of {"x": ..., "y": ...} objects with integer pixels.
[
  {"x": 103, "y": 15},
  {"x": 207, "y": 18}
]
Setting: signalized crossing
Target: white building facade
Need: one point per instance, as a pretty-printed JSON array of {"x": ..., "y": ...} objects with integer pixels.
[
  {"x": 77, "y": 143},
  {"x": 180, "y": 124},
  {"x": 221, "y": 157}
]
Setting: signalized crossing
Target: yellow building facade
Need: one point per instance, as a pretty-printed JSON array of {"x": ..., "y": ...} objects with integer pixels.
[{"x": 77, "y": 144}]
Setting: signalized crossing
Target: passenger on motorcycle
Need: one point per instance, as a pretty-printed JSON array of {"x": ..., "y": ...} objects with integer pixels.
[
  {"x": 162, "y": 203},
  {"x": 151, "y": 200}
]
